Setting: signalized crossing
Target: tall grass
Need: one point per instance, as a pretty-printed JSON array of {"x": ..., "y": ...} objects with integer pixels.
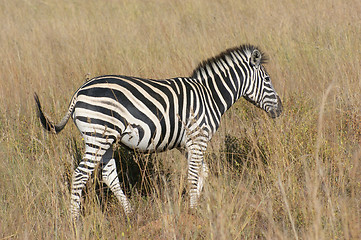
[{"x": 296, "y": 177}]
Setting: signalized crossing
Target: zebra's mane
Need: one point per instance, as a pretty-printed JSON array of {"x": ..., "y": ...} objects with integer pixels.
[{"x": 245, "y": 49}]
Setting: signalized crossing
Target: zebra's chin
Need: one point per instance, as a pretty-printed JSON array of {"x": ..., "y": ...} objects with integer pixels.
[{"x": 276, "y": 111}]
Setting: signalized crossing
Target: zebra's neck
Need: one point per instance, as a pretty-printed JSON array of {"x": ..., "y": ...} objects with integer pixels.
[{"x": 223, "y": 77}]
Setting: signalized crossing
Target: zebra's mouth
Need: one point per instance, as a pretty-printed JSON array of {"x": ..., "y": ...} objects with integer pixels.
[{"x": 277, "y": 110}]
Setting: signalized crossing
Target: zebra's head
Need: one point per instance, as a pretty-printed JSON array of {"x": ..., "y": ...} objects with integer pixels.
[{"x": 259, "y": 89}]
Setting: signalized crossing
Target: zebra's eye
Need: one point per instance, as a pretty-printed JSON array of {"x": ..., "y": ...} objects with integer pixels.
[{"x": 266, "y": 79}]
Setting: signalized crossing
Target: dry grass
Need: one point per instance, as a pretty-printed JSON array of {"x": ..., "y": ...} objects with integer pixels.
[{"x": 297, "y": 177}]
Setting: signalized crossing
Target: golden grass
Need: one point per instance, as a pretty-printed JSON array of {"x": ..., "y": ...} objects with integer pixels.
[{"x": 302, "y": 176}]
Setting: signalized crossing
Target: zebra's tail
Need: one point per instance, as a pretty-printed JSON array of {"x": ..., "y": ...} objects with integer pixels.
[{"x": 47, "y": 123}]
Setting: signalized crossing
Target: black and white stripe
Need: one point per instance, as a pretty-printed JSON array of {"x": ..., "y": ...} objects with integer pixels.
[{"x": 156, "y": 115}]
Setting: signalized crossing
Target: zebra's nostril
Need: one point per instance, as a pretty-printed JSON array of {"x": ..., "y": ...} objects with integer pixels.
[
  {"x": 274, "y": 113},
  {"x": 277, "y": 110}
]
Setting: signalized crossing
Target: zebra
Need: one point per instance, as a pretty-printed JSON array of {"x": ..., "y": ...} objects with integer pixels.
[{"x": 151, "y": 115}]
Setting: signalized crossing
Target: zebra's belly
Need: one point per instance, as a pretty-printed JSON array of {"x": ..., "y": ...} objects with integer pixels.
[{"x": 141, "y": 139}]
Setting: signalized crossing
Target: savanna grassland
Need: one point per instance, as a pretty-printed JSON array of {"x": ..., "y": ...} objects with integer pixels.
[{"x": 295, "y": 177}]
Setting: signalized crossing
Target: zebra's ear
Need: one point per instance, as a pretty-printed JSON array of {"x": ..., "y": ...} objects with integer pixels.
[{"x": 256, "y": 58}]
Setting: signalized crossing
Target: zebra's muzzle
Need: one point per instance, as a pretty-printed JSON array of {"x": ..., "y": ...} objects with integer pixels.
[{"x": 277, "y": 110}]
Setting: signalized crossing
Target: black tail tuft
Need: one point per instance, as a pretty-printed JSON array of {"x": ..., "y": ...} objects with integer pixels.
[{"x": 47, "y": 124}]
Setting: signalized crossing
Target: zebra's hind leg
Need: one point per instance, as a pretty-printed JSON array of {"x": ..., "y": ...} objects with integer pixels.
[
  {"x": 91, "y": 158},
  {"x": 110, "y": 177}
]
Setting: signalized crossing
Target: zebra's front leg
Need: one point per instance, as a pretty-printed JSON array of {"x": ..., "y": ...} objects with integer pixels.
[
  {"x": 110, "y": 177},
  {"x": 197, "y": 170}
]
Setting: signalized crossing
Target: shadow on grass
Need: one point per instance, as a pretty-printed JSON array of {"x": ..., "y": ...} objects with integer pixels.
[{"x": 240, "y": 151}]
